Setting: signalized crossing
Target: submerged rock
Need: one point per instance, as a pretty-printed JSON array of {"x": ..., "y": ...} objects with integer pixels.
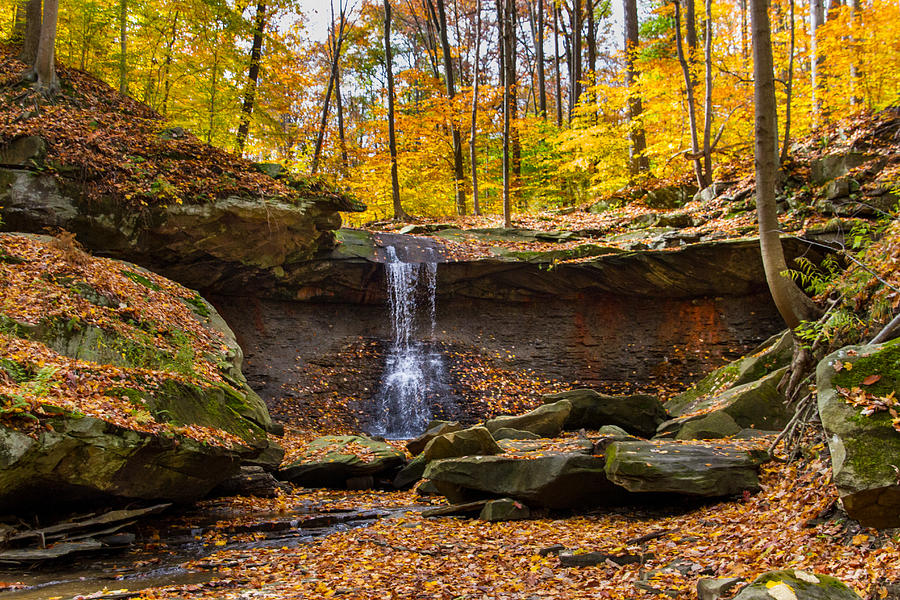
[
  {"x": 794, "y": 584},
  {"x": 688, "y": 469},
  {"x": 640, "y": 414},
  {"x": 545, "y": 421},
  {"x": 332, "y": 460},
  {"x": 864, "y": 447}
]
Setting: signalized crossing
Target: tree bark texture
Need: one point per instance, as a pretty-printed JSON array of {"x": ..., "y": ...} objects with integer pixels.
[
  {"x": 399, "y": 213},
  {"x": 638, "y": 162},
  {"x": 458, "y": 172},
  {"x": 32, "y": 32},
  {"x": 473, "y": 133},
  {"x": 45, "y": 63},
  {"x": 250, "y": 85},
  {"x": 696, "y": 155}
]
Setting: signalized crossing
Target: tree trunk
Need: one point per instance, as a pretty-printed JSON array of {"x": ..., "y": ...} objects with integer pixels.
[
  {"x": 342, "y": 137},
  {"x": 458, "y": 172},
  {"x": 252, "y": 77},
  {"x": 577, "y": 10},
  {"x": 167, "y": 64},
  {"x": 399, "y": 214},
  {"x": 123, "y": 47},
  {"x": 476, "y": 204},
  {"x": 511, "y": 43},
  {"x": 696, "y": 155},
  {"x": 45, "y": 63},
  {"x": 32, "y": 32},
  {"x": 745, "y": 42},
  {"x": 707, "y": 98},
  {"x": 18, "y": 32},
  {"x": 690, "y": 29},
  {"x": 789, "y": 90},
  {"x": 539, "y": 51},
  {"x": 638, "y": 162},
  {"x": 816, "y": 18},
  {"x": 855, "y": 98},
  {"x": 792, "y": 304},
  {"x": 504, "y": 18},
  {"x": 591, "y": 41},
  {"x": 337, "y": 39},
  {"x": 559, "y": 91}
]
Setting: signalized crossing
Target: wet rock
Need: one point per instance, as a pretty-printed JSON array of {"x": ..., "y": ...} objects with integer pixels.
[
  {"x": 330, "y": 461},
  {"x": 504, "y": 509},
  {"x": 793, "y": 584},
  {"x": 864, "y": 448},
  {"x": 692, "y": 470},
  {"x": 455, "y": 510},
  {"x": 639, "y": 414},
  {"x": 28, "y": 150},
  {"x": 410, "y": 473},
  {"x": 251, "y": 481},
  {"x": 545, "y": 421}
]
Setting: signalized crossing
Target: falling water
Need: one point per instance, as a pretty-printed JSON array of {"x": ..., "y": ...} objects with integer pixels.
[{"x": 413, "y": 372}]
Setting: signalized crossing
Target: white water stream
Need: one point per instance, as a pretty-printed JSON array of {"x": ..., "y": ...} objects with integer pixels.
[{"x": 413, "y": 372}]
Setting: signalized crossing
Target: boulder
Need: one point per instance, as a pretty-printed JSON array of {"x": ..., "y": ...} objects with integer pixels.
[
  {"x": 26, "y": 150},
  {"x": 332, "y": 460},
  {"x": 475, "y": 441},
  {"x": 566, "y": 480},
  {"x": 688, "y": 469},
  {"x": 434, "y": 429},
  {"x": 251, "y": 481},
  {"x": 410, "y": 473},
  {"x": 835, "y": 165},
  {"x": 86, "y": 459},
  {"x": 222, "y": 245},
  {"x": 673, "y": 196},
  {"x": 794, "y": 584},
  {"x": 864, "y": 447},
  {"x": 639, "y": 414},
  {"x": 717, "y": 588},
  {"x": 504, "y": 509},
  {"x": 505, "y": 433},
  {"x": 754, "y": 405},
  {"x": 771, "y": 355},
  {"x": 718, "y": 424},
  {"x": 545, "y": 421}
]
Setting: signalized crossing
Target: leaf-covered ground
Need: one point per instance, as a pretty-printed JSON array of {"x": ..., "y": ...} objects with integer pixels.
[
  {"x": 119, "y": 149},
  {"x": 152, "y": 334},
  {"x": 791, "y": 523}
]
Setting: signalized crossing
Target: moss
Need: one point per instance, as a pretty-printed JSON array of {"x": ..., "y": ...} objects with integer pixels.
[
  {"x": 885, "y": 363},
  {"x": 138, "y": 278},
  {"x": 198, "y": 305},
  {"x": 867, "y": 453}
]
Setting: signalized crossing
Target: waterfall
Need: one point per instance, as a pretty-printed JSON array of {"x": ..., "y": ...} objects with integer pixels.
[{"x": 413, "y": 372}]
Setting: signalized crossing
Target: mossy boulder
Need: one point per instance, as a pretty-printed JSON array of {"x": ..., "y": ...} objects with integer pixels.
[
  {"x": 794, "y": 584},
  {"x": 864, "y": 447},
  {"x": 755, "y": 405},
  {"x": 86, "y": 459},
  {"x": 771, "y": 355},
  {"x": 691, "y": 470},
  {"x": 640, "y": 414},
  {"x": 332, "y": 460},
  {"x": 545, "y": 421}
]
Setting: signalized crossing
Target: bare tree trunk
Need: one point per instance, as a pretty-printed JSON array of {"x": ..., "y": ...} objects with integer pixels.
[
  {"x": 816, "y": 18},
  {"x": 399, "y": 214},
  {"x": 577, "y": 10},
  {"x": 167, "y": 85},
  {"x": 337, "y": 39},
  {"x": 638, "y": 162},
  {"x": 745, "y": 42},
  {"x": 458, "y": 172},
  {"x": 123, "y": 47},
  {"x": 539, "y": 51},
  {"x": 707, "y": 99},
  {"x": 511, "y": 43},
  {"x": 476, "y": 204},
  {"x": 45, "y": 63},
  {"x": 252, "y": 76},
  {"x": 696, "y": 155},
  {"x": 792, "y": 304},
  {"x": 855, "y": 99},
  {"x": 32, "y": 32},
  {"x": 559, "y": 91},
  {"x": 592, "y": 40},
  {"x": 18, "y": 32},
  {"x": 504, "y": 18},
  {"x": 690, "y": 29},
  {"x": 789, "y": 89},
  {"x": 339, "y": 104}
]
